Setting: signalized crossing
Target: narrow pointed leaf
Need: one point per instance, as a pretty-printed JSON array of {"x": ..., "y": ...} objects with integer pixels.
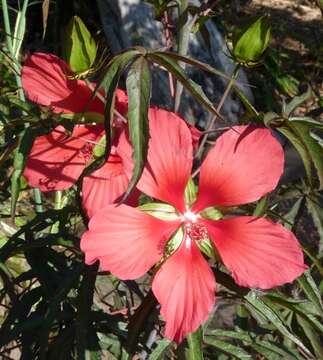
[
  {"x": 312, "y": 335},
  {"x": 193, "y": 62},
  {"x": 250, "y": 108},
  {"x": 316, "y": 212},
  {"x": 191, "y": 86},
  {"x": 269, "y": 313},
  {"x": 311, "y": 290},
  {"x": 297, "y": 101},
  {"x": 227, "y": 348},
  {"x": 160, "y": 349},
  {"x": 194, "y": 351},
  {"x": 109, "y": 83},
  {"x": 301, "y": 149},
  {"x": 138, "y": 88},
  {"x": 315, "y": 150},
  {"x": 114, "y": 69}
]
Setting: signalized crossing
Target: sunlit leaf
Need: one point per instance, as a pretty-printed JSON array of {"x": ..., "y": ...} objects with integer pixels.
[
  {"x": 138, "y": 88},
  {"x": 268, "y": 313},
  {"x": 227, "y": 348},
  {"x": 194, "y": 340},
  {"x": 191, "y": 86}
]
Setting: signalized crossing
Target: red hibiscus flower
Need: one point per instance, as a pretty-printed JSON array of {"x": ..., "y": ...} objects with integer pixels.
[
  {"x": 244, "y": 164},
  {"x": 57, "y": 160}
]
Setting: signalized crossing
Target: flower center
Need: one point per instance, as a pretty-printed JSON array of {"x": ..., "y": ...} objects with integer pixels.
[
  {"x": 190, "y": 216},
  {"x": 196, "y": 231}
]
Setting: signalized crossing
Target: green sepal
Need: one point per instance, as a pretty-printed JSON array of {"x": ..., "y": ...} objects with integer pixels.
[
  {"x": 190, "y": 193},
  {"x": 207, "y": 248},
  {"x": 211, "y": 213},
  {"x": 99, "y": 148},
  {"x": 174, "y": 242},
  {"x": 79, "y": 47},
  {"x": 251, "y": 40},
  {"x": 160, "y": 210}
]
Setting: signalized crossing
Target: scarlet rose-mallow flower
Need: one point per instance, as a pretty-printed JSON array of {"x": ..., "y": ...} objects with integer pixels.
[
  {"x": 245, "y": 163},
  {"x": 57, "y": 160}
]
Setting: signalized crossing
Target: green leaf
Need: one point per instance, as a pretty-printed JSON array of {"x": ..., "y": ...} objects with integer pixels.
[
  {"x": 238, "y": 335},
  {"x": 83, "y": 328},
  {"x": 293, "y": 213},
  {"x": 266, "y": 348},
  {"x": 250, "y": 108},
  {"x": 301, "y": 307},
  {"x": 138, "y": 88},
  {"x": 109, "y": 83},
  {"x": 193, "y": 62},
  {"x": 227, "y": 348},
  {"x": 194, "y": 340},
  {"x": 300, "y": 147},
  {"x": 79, "y": 47},
  {"x": 191, "y": 86},
  {"x": 296, "y": 102},
  {"x": 316, "y": 211},
  {"x": 272, "y": 351},
  {"x": 312, "y": 336},
  {"x": 114, "y": 346},
  {"x": 20, "y": 28},
  {"x": 159, "y": 350},
  {"x": 303, "y": 130},
  {"x": 312, "y": 292},
  {"x": 114, "y": 70},
  {"x": 315, "y": 259},
  {"x": 271, "y": 315}
]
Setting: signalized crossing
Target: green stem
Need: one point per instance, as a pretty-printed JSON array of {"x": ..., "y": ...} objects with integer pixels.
[
  {"x": 6, "y": 21},
  {"x": 224, "y": 96},
  {"x": 58, "y": 200},
  {"x": 38, "y": 200},
  {"x": 16, "y": 67}
]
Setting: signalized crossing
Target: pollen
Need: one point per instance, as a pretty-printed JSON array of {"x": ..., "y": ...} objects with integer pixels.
[{"x": 197, "y": 231}]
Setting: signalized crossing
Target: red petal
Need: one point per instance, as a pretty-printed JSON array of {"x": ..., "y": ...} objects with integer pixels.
[
  {"x": 185, "y": 288},
  {"x": 196, "y": 135},
  {"x": 121, "y": 102},
  {"x": 127, "y": 241},
  {"x": 57, "y": 160},
  {"x": 105, "y": 186},
  {"x": 244, "y": 164},
  {"x": 45, "y": 81},
  {"x": 169, "y": 158},
  {"x": 258, "y": 252}
]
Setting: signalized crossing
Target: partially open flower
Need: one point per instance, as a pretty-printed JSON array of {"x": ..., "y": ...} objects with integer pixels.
[{"x": 57, "y": 160}]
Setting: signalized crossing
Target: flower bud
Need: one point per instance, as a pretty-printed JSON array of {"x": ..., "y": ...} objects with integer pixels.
[
  {"x": 79, "y": 47},
  {"x": 251, "y": 40}
]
